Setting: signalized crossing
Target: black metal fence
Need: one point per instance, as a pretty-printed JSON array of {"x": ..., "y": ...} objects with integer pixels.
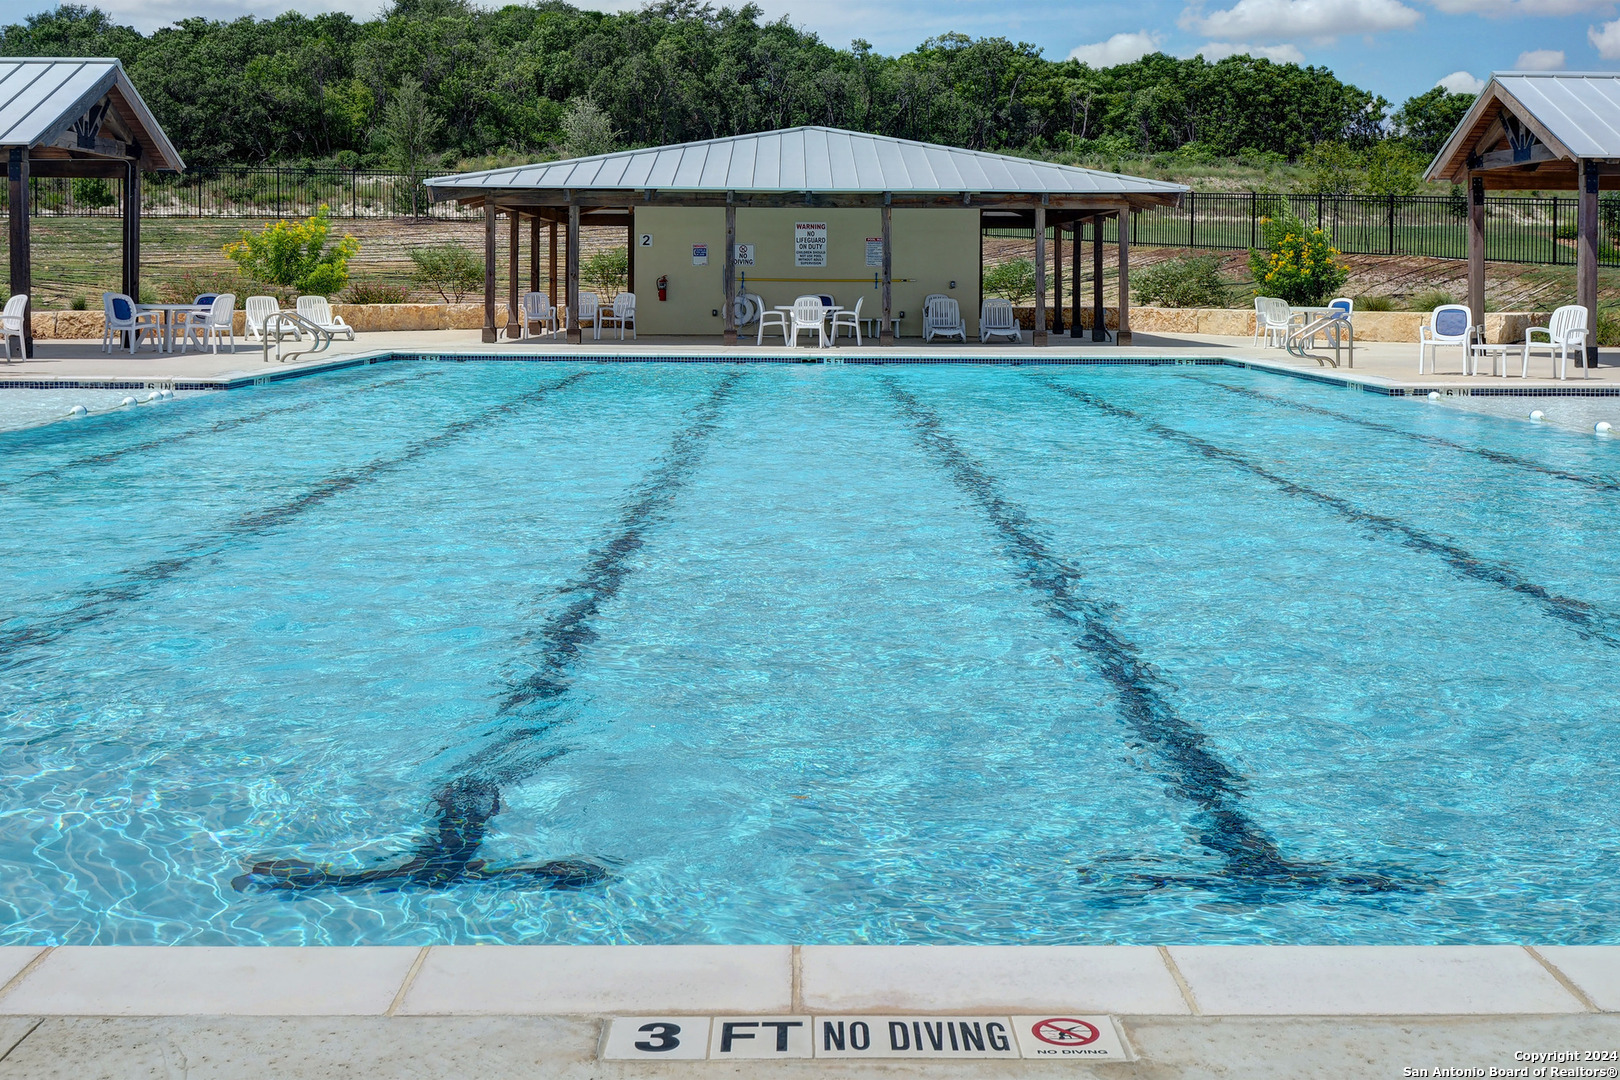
[{"x": 1517, "y": 229}]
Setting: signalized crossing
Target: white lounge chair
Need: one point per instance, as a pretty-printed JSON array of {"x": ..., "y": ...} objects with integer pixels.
[
  {"x": 942, "y": 317},
  {"x": 1449, "y": 324},
  {"x": 216, "y": 324},
  {"x": 1566, "y": 333},
  {"x": 622, "y": 314},
  {"x": 11, "y": 324},
  {"x": 998, "y": 319},
  {"x": 1271, "y": 320},
  {"x": 772, "y": 317},
  {"x": 850, "y": 320},
  {"x": 123, "y": 317},
  {"x": 319, "y": 312},
  {"x": 809, "y": 313},
  {"x": 537, "y": 309},
  {"x": 590, "y": 313},
  {"x": 258, "y": 310}
]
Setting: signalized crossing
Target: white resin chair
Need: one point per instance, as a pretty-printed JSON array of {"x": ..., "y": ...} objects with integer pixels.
[
  {"x": 942, "y": 317},
  {"x": 622, "y": 314},
  {"x": 11, "y": 324},
  {"x": 849, "y": 320},
  {"x": 123, "y": 317},
  {"x": 1566, "y": 333},
  {"x": 258, "y": 310},
  {"x": 318, "y": 311},
  {"x": 216, "y": 324},
  {"x": 537, "y": 310},
  {"x": 1449, "y": 324},
  {"x": 809, "y": 313},
  {"x": 997, "y": 319},
  {"x": 590, "y": 313},
  {"x": 1271, "y": 318},
  {"x": 772, "y": 317}
]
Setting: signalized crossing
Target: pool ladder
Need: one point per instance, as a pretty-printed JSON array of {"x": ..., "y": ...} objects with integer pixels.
[
  {"x": 283, "y": 321},
  {"x": 1335, "y": 326}
]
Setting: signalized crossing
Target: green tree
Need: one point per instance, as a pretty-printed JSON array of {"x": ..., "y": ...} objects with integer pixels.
[
  {"x": 295, "y": 255},
  {"x": 1393, "y": 169},
  {"x": 605, "y": 271},
  {"x": 1013, "y": 280},
  {"x": 450, "y": 270},
  {"x": 1427, "y": 119},
  {"x": 587, "y": 129},
  {"x": 1331, "y": 169}
]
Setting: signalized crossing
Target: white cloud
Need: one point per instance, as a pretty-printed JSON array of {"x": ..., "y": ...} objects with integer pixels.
[
  {"x": 1285, "y": 20},
  {"x": 1460, "y": 82},
  {"x": 1510, "y": 8},
  {"x": 1540, "y": 60},
  {"x": 1282, "y": 54},
  {"x": 1119, "y": 49},
  {"x": 1605, "y": 39}
]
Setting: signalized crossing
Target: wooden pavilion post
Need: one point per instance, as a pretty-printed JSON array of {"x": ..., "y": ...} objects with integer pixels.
[
  {"x": 551, "y": 270},
  {"x": 21, "y": 254},
  {"x": 1039, "y": 336},
  {"x": 630, "y": 250},
  {"x": 1099, "y": 316},
  {"x": 886, "y": 325},
  {"x": 1476, "y": 248},
  {"x": 1057, "y": 277},
  {"x": 132, "y": 230},
  {"x": 513, "y": 241},
  {"x": 1586, "y": 264},
  {"x": 490, "y": 334},
  {"x": 1074, "y": 279},
  {"x": 730, "y": 311},
  {"x": 572, "y": 293},
  {"x": 534, "y": 253},
  {"x": 1123, "y": 336}
]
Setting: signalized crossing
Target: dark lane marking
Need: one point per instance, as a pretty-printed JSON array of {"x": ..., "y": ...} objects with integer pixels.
[
  {"x": 1589, "y": 621},
  {"x": 1253, "y": 864},
  {"x": 228, "y": 424},
  {"x": 471, "y": 797},
  {"x": 1597, "y": 483},
  {"x": 97, "y": 603}
]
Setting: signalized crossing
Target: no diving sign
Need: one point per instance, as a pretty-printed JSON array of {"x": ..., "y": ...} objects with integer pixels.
[{"x": 715, "y": 1038}]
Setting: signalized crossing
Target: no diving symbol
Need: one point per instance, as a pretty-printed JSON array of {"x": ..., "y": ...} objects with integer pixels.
[{"x": 1062, "y": 1031}]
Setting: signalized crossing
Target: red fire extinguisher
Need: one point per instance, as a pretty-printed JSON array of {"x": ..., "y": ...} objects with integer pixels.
[{"x": 663, "y": 288}]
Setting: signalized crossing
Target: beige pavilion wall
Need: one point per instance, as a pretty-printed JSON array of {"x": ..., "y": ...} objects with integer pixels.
[{"x": 931, "y": 249}]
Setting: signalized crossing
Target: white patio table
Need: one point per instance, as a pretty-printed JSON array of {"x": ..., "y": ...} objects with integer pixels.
[
  {"x": 826, "y": 313},
  {"x": 170, "y": 314}
]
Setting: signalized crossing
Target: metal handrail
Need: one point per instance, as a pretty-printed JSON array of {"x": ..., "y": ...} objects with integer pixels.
[
  {"x": 280, "y": 321},
  {"x": 1335, "y": 325}
]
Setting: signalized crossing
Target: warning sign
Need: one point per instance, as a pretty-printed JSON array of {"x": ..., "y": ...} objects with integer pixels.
[
  {"x": 914, "y": 1037},
  {"x": 1076, "y": 1038},
  {"x": 700, "y": 254},
  {"x": 810, "y": 243},
  {"x": 874, "y": 251}
]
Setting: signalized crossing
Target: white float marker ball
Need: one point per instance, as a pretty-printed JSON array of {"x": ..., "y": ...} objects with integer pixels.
[
  {"x": 129, "y": 401},
  {"x": 1434, "y": 395},
  {"x": 78, "y": 410},
  {"x": 1602, "y": 427},
  {"x": 1537, "y": 414}
]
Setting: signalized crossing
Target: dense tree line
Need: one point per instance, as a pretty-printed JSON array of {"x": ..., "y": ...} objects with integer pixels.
[{"x": 500, "y": 80}]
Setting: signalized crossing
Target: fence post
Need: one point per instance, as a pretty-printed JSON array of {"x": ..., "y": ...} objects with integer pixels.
[
  {"x": 354, "y": 194},
  {"x": 1254, "y": 219},
  {"x": 1555, "y": 230},
  {"x": 1392, "y": 224},
  {"x": 1192, "y": 215}
]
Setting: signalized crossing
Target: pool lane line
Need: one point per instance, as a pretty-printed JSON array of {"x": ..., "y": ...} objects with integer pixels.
[
  {"x": 1597, "y": 483},
  {"x": 100, "y": 601},
  {"x": 1588, "y": 621},
  {"x": 1253, "y": 864},
  {"x": 447, "y": 854},
  {"x": 227, "y": 424}
]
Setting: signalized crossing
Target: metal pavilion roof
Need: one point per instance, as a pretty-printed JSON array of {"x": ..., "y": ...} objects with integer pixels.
[
  {"x": 813, "y": 159},
  {"x": 1576, "y": 114},
  {"x": 43, "y": 98}
]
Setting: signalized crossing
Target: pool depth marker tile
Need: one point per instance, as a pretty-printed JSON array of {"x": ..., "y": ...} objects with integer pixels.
[
  {"x": 472, "y": 794},
  {"x": 1253, "y": 865},
  {"x": 1588, "y": 621}
]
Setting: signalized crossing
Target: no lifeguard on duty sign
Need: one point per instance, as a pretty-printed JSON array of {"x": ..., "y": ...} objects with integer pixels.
[{"x": 1055, "y": 1037}]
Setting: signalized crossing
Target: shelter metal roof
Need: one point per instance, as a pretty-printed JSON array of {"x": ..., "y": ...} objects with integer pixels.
[
  {"x": 815, "y": 159},
  {"x": 41, "y": 98},
  {"x": 1573, "y": 114},
  {"x": 1580, "y": 109}
]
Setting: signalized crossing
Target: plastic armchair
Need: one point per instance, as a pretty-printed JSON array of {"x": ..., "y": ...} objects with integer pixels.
[
  {"x": 1566, "y": 332},
  {"x": 537, "y": 310},
  {"x": 1449, "y": 324},
  {"x": 942, "y": 317},
  {"x": 216, "y": 324},
  {"x": 809, "y": 314},
  {"x": 772, "y": 317},
  {"x": 590, "y": 309},
  {"x": 121, "y": 316},
  {"x": 998, "y": 319},
  {"x": 11, "y": 324},
  {"x": 850, "y": 320},
  {"x": 622, "y": 314},
  {"x": 257, "y": 311},
  {"x": 1272, "y": 316},
  {"x": 318, "y": 311}
]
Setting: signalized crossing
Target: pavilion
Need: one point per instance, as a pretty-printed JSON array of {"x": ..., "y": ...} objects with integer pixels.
[
  {"x": 1538, "y": 130},
  {"x": 73, "y": 118},
  {"x": 813, "y": 172}
]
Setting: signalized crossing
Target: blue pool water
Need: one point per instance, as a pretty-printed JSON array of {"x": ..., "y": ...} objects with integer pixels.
[{"x": 433, "y": 652}]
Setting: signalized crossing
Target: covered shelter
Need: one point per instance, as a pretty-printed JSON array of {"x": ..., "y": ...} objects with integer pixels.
[
  {"x": 815, "y": 203},
  {"x": 75, "y": 118},
  {"x": 1542, "y": 130}
]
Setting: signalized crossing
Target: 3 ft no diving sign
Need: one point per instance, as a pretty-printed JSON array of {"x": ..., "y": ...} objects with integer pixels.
[{"x": 717, "y": 1038}]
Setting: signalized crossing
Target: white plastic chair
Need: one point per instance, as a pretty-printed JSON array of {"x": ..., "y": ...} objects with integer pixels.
[
  {"x": 218, "y": 322},
  {"x": 1566, "y": 333},
  {"x": 1271, "y": 318},
  {"x": 319, "y": 312},
  {"x": 123, "y": 317},
  {"x": 1449, "y": 324},
  {"x": 772, "y": 317},
  {"x": 259, "y": 309},
  {"x": 536, "y": 309},
  {"x": 11, "y": 324},
  {"x": 942, "y": 317},
  {"x": 589, "y": 313},
  {"x": 997, "y": 319},
  {"x": 809, "y": 314},
  {"x": 850, "y": 320},
  {"x": 622, "y": 314}
]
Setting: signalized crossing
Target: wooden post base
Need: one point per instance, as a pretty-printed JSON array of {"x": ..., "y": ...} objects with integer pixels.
[
  {"x": 491, "y": 335},
  {"x": 1123, "y": 337},
  {"x": 730, "y": 337},
  {"x": 575, "y": 337},
  {"x": 1038, "y": 337}
]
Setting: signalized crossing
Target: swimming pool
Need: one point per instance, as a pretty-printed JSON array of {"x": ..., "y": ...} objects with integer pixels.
[{"x": 430, "y": 652}]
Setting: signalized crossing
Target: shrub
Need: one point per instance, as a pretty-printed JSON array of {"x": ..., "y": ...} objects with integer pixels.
[
  {"x": 296, "y": 255},
  {"x": 1608, "y": 328},
  {"x": 1375, "y": 303},
  {"x": 1301, "y": 266},
  {"x": 1014, "y": 280},
  {"x": 1183, "y": 283},
  {"x": 1566, "y": 231},
  {"x": 79, "y": 303},
  {"x": 92, "y": 193},
  {"x": 606, "y": 272},
  {"x": 376, "y": 292},
  {"x": 1429, "y": 299},
  {"x": 449, "y": 269},
  {"x": 189, "y": 284}
]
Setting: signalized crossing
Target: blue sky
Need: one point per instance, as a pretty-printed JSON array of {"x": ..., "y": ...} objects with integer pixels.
[{"x": 1393, "y": 47}]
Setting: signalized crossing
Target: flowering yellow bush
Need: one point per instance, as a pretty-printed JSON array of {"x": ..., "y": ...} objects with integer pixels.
[
  {"x": 296, "y": 255},
  {"x": 1300, "y": 266}
]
